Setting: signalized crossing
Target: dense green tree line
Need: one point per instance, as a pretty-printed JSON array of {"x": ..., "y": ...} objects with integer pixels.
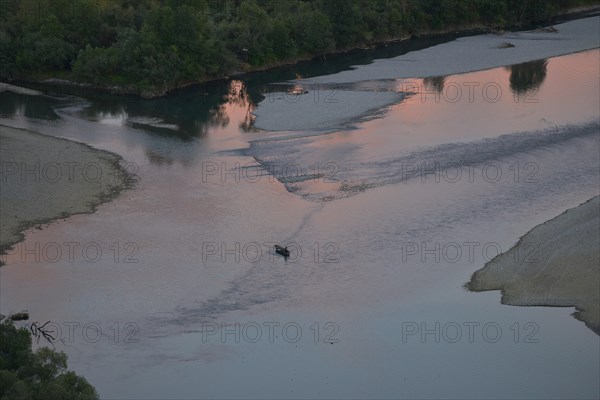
[
  {"x": 162, "y": 43},
  {"x": 43, "y": 375}
]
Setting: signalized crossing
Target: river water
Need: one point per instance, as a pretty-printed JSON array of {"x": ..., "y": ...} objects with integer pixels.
[{"x": 178, "y": 293}]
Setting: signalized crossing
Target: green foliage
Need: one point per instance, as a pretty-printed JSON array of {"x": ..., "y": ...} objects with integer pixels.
[
  {"x": 253, "y": 29},
  {"x": 36, "y": 375},
  {"x": 284, "y": 46},
  {"x": 313, "y": 31},
  {"x": 163, "y": 43},
  {"x": 94, "y": 63}
]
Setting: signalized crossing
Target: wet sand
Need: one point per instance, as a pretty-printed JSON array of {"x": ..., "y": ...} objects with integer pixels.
[
  {"x": 46, "y": 178},
  {"x": 5, "y": 87},
  {"x": 556, "y": 264}
]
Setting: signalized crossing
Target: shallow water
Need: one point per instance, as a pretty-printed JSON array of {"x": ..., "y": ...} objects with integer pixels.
[
  {"x": 381, "y": 245},
  {"x": 539, "y": 100}
]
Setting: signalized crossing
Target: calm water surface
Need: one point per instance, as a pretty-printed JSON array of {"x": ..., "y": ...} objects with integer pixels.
[{"x": 371, "y": 302}]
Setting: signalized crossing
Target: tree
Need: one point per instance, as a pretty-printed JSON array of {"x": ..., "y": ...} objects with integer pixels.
[
  {"x": 313, "y": 30},
  {"x": 283, "y": 45},
  {"x": 36, "y": 375},
  {"x": 254, "y": 26}
]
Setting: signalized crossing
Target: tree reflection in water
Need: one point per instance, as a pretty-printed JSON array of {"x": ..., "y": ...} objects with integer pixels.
[
  {"x": 527, "y": 76},
  {"x": 434, "y": 83}
]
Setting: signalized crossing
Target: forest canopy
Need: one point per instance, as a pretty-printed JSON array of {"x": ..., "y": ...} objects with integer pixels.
[{"x": 159, "y": 44}]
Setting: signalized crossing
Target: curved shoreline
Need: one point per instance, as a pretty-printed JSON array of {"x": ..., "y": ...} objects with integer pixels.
[
  {"x": 45, "y": 178},
  {"x": 555, "y": 264}
]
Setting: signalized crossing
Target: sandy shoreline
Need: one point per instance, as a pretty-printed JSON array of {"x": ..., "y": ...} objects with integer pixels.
[
  {"x": 46, "y": 178},
  {"x": 555, "y": 264}
]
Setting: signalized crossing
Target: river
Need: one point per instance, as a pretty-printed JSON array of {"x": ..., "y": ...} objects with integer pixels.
[{"x": 173, "y": 290}]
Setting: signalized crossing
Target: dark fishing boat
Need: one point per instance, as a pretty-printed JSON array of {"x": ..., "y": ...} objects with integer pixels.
[
  {"x": 21, "y": 316},
  {"x": 282, "y": 250}
]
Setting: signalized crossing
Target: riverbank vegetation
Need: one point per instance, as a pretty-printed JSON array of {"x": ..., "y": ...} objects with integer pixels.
[
  {"x": 150, "y": 46},
  {"x": 43, "y": 374}
]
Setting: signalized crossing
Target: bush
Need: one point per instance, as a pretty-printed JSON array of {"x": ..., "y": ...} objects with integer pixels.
[
  {"x": 92, "y": 64},
  {"x": 36, "y": 375}
]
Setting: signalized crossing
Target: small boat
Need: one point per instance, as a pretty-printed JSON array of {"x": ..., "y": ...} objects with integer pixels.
[
  {"x": 282, "y": 250},
  {"x": 22, "y": 316}
]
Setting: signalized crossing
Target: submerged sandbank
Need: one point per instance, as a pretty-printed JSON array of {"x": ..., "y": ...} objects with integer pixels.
[
  {"x": 314, "y": 110},
  {"x": 44, "y": 178},
  {"x": 555, "y": 264}
]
